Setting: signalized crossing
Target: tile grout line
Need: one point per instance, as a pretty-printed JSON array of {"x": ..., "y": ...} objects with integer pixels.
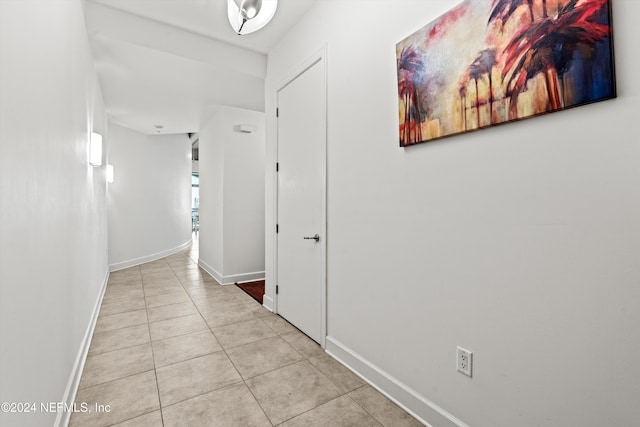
[
  {"x": 173, "y": 318},
  {"x": 255, "y": 398},
  {"x": 153, "y": 357},
  {"x": 345, "y": 394},
  {"x": 323, "y": 403},
  {"x": 305, "y": 357},
  {"x": 123, "y": 327},
  {"x": 117, "y": 349},
  {"x": 114, "y": 380},
  {"x": 203, "y": 393},
  {"x": 363, "y": 408},
  {"x": 231, "y": 361},
  {"x": 150, "y": 343},
  {"x": 139, "y": 373}
]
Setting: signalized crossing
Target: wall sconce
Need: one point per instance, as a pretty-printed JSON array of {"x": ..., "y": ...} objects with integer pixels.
[
  {"x": 95, "y": 149},
  {"x": 109, "y": 173},
  {"x": 247, "y": 16}
]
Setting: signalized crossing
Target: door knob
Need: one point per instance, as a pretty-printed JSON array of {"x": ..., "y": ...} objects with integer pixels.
[{"x": 316, "y": 238}]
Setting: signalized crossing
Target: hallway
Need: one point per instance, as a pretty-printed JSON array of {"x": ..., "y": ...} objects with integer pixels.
[{"x": 172, "y": 347}]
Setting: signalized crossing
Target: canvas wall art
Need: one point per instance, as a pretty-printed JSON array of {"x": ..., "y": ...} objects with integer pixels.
[{"x": 488, "y": 62}]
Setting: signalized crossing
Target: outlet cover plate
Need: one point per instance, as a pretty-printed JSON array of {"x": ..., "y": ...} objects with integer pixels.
[{"x": 464, "y": 361}]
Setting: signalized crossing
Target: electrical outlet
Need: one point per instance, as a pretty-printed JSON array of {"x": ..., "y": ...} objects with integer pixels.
[{"x": 464, "y": 361}]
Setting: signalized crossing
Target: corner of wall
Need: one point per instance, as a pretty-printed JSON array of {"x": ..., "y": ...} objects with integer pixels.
[{"x": 408, "y": 399}]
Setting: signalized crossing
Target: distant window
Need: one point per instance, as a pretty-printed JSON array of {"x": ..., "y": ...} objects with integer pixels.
[{"x": 195, "y": 192}]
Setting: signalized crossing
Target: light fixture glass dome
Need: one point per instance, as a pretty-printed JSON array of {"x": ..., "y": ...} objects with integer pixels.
[{"x": 247, "y": 16}]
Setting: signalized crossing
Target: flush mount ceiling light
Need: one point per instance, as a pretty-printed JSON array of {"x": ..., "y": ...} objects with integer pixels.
[{"x": 247, "y": 16}]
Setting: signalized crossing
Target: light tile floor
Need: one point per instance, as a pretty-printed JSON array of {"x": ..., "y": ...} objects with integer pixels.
[{"x": 172, "y": 347}]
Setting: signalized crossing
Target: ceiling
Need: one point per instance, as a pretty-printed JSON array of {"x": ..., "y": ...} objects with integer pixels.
[{"x": 174, "y": 62}]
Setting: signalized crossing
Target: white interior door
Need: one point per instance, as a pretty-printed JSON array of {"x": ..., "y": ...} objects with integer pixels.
[{"x": 301, "y": 201}]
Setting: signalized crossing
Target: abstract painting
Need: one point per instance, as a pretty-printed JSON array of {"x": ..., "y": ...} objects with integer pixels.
[{"x": 488, "y": 62}]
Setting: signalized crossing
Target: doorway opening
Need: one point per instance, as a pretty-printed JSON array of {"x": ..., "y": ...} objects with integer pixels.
[
  {"x": 195, "y": 202},
  {"x": 195, "y": 215}
]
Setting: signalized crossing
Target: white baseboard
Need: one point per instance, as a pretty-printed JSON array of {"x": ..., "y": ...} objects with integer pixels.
[
  {"x": 233, "y": 278},
  {"x": 267, "y": 302},
  {"x": 244, "y": 277},
  {"x": 212, "y": 271},
  {"x": 137, "y": 261},
  {"x": 260, "y": 275},
  {"x": 408, "y": 399},
  {"x": 63, "y": 417}
]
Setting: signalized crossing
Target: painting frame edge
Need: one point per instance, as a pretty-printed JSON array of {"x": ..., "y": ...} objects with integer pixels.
[{"x": 610, "y": 61}]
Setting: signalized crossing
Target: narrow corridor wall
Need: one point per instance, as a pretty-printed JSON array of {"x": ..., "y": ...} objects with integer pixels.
[
  {"x": 150, "y": 199},
  {"x": 53, "y": 214},
  {"x": 520, "y": 242},
  {"x": 232, "y": 195}
]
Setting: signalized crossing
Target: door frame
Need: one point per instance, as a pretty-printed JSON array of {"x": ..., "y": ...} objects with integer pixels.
[{"x": 319, "y": 57}]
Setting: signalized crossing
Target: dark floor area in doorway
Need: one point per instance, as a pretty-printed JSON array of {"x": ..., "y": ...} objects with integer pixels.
[{"x": 254, "y": 289}]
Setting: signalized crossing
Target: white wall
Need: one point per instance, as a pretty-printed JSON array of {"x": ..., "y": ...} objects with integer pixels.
[
  {"x": 53, "y": 215},
  {"x": 520, "y": 243},
  {"x": 211, "y": 167},
  {"x": 150, "y": 199},
  {"x": 232, "y": 196}
]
